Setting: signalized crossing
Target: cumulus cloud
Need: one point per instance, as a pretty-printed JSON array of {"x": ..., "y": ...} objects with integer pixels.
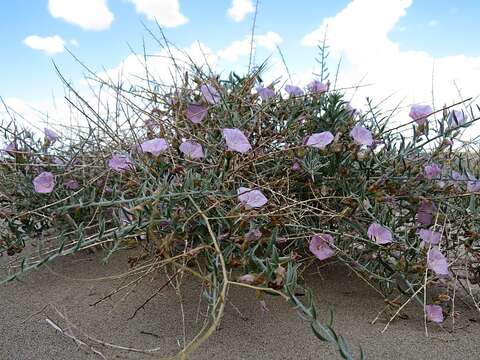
[
  {"x": 360, "y": 34},
  {"x": 240, "y": 9},
  {"x": 240, "y": 48},
  {"x": 161, "y": 65},
  {"x": 49, "y": 44},
  {"x": 166, "y": 12},
  {"x": 88, "y": 14}
]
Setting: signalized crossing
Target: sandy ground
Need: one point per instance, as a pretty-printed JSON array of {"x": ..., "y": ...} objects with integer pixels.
[{"x": 256, "y": 334}]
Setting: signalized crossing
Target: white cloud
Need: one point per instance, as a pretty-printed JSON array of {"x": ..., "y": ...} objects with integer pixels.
[
  {"x": 240, "y": 9},
  {"x": 433, "y": 23},
  {"x": 166, "y": 12},
  {"x": 360, "y": 34},
  {"x": 74, "y": 42},
  {"x": 88, "y": 14},
  {"x": 35, "y": 115},
  {"x": 49, "y": 44},
  {"x": 160, "y": 65},
  {"x": 240, "y": 48}
]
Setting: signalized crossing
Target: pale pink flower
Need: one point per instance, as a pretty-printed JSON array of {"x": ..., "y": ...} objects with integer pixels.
[
  {"x": 380, "y": 234},
  {"x": 72, "y": 184},
  {"x": 11, "y": 149},
  {"x": 44, "y": 183},
  {"x": 265, "y": 93},
  {"x": 458, "y": 178},
  {"x": 437, "y": 262},
  {"x": 297, "y": 166},
  {"x": 236, "y": 140},
  {"x": 320, "y": 140},
  {"x": 425, "y": 212},
  {"x": 434, "y": 313},
  {"x": 456, "y": 118},
  {"x": 293, "y": 90},
  {"x": 419, "y": 113},
  {"x": 430, "y": 236},
  {"x": 120, "y": 163},
  {"x": 432, "y": 171},
  {"x": 251, "y": 198},
  {"x": 253, "y": 235},
  {"x": 473, "y": 186},
  {"x": 320, "y": 246},
  {"x": 154, "y": 146},
  {"x": 51, "y": 135},
  {"x": 210, "y": 94},
  {"x": 191, "y": 149},
  {"x": 351, "y": 110},
  {"x": 196, "y": 113},
  {"x": 361, "y": 135},
  {"x": 316, "y": 86}
]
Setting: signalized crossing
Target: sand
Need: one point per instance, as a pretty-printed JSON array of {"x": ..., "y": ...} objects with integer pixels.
[{"x": 254, "y": 334}]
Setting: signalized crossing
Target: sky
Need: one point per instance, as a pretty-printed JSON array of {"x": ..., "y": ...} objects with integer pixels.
[{"x": 409, "y": 51}]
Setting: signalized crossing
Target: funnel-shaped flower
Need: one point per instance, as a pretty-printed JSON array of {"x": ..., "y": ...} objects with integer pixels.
[
  {"x": 251, "y": 198},
  {"x": 432, "y": 171},
  {"x": 72, "y": 184},
  {"x": 320, "y": 140},
  {"x": 381, "y": 235},
  {"x": 154, "y": 146},
  {"x": 320, "y": 246},
  {"x": 430, "y": 236},
  {"x": 456, "y": 118},
  {"x": 473, "y": 186},
  {"x": 210, "y": 94},
  {"x": 51, "y": 135},
  {"x": 293, "y": 90},
  {"x": 361, "y": 135},
  {"x": 196, "y": 113},
  {"x": 11, "y": 148},
  {"x": 265, "y": 93},
  {"x": 425, "y": 212},
  {"x": 434, "y": 313},
  {"x": 420, "y": 113},
  {"x": 120, "y": 163},
  {"x": 437, "y": 262},
  {"x": 44, "y": 182},
  {"x": 192, "y": 149},
  {"x": 316, "y": 86},
  {"x": 236, "y": 140}
]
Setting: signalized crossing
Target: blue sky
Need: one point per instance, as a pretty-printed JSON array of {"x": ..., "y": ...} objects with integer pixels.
[{"x": 441, "y": 29}]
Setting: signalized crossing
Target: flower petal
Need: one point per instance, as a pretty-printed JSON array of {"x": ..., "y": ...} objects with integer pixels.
[
  {"x": 293, "y": 91},
  {"x": 419, "y": 113},
  {"x": 210, "y": 94},
  {"x": 44, "y": 183},
  {"x": 196, "y": 113},
  {"x": 251, "y": 198},
  {"x": 320, "y": 140},
  {"x": 120, "y": 163},
  {"x": 381, "y": 235},
  {"x": 432, "y": 171},
  {"x": 316, "y": 86},
  {"x": 430, "y": 236},
  {"x": 361, "y": 135},
  {"x": 191, "y": 149},
  {"x": 265, "y": 93},
  {"x": 437, "y": 262},
  {"x": 154, "y": 146},
  {"x": 236, "y": 140},
  {"x": 434, "y": 313},
  {"x": 320, "y": 246},
  {"x": 51, "y": 135}
]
